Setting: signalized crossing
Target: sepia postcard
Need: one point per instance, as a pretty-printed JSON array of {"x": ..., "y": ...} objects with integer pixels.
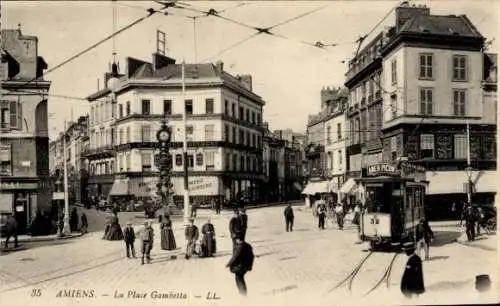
[{"x": 181, "y": 152}]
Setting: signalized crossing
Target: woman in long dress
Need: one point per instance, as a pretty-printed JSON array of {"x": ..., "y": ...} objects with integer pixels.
[
  {"x": 114, "y": 231},
  {"x": 208, "y": 247},
  {"x": 167, "y": 234}
]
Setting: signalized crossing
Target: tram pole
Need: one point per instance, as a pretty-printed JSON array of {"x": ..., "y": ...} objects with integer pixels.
[{"x": 469, "y": 169}]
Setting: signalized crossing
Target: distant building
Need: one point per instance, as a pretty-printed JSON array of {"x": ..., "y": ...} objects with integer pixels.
[
  {"x": 274, "y": 167},
  {"x": 224, "y": 132},
  {"x": 24, "y": 139}
]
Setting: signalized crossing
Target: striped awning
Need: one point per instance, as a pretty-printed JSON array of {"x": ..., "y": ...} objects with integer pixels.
[
  {"x": 317, "y": 187},
  {"x": 348, "y": 187}
]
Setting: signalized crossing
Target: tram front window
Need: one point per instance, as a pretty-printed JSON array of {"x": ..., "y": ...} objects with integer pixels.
[{"x": 378, "y": 200}]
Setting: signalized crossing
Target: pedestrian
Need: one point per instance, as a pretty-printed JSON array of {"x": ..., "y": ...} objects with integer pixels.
[
  {"x": 479, "y": 217},
  {"x": 469, "y": 217},
  {"x": 167, "y": 234},
  {"x": 147, "y": 238},
  {"x": 241, "y": 263},
  {"x": 192, "y": 234},
  {"x": 129, "y": 238},
  {"x": 321, "y": 215},
  {"x": 289, "y": 217},
  {"x": 235, "y": 226},
  {"x": 424, "y": 238},
  {"x": 11, "y": 231},
  {"x": 85, "y": 223},
  {"x": 244, "y": 222},
  {"x": 339, "y": 213},
  {"x": 194, "y": 207},
  {"x": 217, "y": 206},
  {"x": 412, "y": 283},
  {"x": 208, "y": 244}
]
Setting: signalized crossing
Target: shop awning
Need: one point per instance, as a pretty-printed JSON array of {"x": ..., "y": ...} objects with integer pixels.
[
  {"x": 333, "y": 185},
  {"x": 448, "y": 182},
  {"x": 348, "y": 187},
  {"x": 119, "y": 188},
  {"x": 316, "y": 187}
]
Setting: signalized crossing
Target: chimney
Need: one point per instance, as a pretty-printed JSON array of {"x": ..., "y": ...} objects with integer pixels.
[
  {"x": 406, "y": 12},
  {"x": 160, "y": 61},
  {"x": 220, "y": 66},
  {"x": 246, "y": 80}
]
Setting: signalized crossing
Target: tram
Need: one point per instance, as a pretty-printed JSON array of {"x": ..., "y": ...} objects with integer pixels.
[{"x": 394, "y": 203}]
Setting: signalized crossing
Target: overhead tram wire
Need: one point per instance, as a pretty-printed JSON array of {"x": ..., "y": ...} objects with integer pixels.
[{"x": 150, "y": 11}]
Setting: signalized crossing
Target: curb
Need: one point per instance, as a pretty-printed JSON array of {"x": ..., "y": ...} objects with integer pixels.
[{"x": 45, "y": 238}]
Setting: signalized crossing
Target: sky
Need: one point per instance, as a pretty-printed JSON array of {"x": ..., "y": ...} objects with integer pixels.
[{"x": 288, "y": 74}]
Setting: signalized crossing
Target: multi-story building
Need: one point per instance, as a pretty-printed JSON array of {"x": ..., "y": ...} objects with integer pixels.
[
  {"x": 273, "y": 166},
  {"x": 24, "y": 139},
  {"x": 427, "y": 74},
  {"x": 335, "y": 142},
  {"x": 56, "y": 154},
  {"x": 224, "y": 130}
]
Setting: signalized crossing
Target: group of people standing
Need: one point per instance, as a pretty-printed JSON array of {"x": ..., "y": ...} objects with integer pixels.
[{"x": 333, "y": 210}]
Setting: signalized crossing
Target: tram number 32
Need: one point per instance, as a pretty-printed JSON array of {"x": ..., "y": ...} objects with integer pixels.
[{"x": 374, "y": 221}]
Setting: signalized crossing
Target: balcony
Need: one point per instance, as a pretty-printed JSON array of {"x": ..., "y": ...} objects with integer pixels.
[{"x": 101, "y": 152}]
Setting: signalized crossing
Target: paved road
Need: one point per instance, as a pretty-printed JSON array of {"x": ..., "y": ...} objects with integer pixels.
[{"x": 290, "y": 268}]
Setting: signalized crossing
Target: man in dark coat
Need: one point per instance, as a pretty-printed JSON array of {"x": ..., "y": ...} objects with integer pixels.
[
  {"x": 241, "y": 263},
  {"x": 244, "y": 222},
  {"x": 235, "y": 227},
  {"x": 208, "y": 240},
  {"x": 85, "y": 223},
  {"x": 412, "y": 283},
  {"x": 11, "y": 230},
  {"x": 470, "y": 220},
  {"x": 289, "y": 217},
  {"x": 424, "y": 237},
  {"x": 217, "y": 206},
  {"x": 192, "y": 234},
  {"x": 73, "y": 220},
  {"x": 129, "y": 237},
  {"x": 147, "y": 239}
]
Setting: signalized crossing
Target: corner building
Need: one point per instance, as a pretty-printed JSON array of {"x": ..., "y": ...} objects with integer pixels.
[{"x": 224, "y": 130}]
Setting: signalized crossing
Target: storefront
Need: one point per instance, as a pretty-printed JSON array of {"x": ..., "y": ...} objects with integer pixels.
[{"x": 203, "y": 190}]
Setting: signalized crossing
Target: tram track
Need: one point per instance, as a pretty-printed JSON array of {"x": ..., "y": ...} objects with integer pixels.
[{"x": 349, "y": 280}]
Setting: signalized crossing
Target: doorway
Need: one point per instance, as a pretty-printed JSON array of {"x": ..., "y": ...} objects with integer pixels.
[{"x": 21, "y": 211}]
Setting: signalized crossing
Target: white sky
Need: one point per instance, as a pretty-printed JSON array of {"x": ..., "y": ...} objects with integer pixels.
[{"x": 286, "y": 73}]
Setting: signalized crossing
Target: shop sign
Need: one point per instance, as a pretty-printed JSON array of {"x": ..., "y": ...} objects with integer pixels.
[
  {"x": 17, "y": 186},
  {"x": 413, "y": 171},
  {"x": 382, "y": 169},
  {"x": 205, "y": 185}
]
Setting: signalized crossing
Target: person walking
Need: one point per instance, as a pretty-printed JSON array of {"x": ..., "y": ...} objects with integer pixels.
[
  {"x": 192, "y": 234},
  {"x": 129, "y": 238},
  {"x": 241, "y": 263},
  {"x": 235, "y": 227},
  {"x": 244, "y": 222},
  {"x": 321, "y": 215},
  {"x": 424, "y": 238},
  {"x": 469, "y": 217},
  {"x": 11, "y": 231},
  {"x": 85, "y": 223},
  {"x": 208, "y": 244},
  {"x": 194, "y": 207},
  {"x": 73, "y": 220},
  {"x": 412, "y": 283},
  {"x": 217, "y": 206},
  {"x": 288, "y": 213},
  {"x": 167, "y": 234},
  {"x": 147, "y": 238},
  {"x": 339, "y": 213}
]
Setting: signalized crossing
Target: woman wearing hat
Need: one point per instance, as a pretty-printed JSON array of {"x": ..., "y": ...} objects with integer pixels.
[
  {"x": 412, "y": 283},
  {"x": 167, "y": 234}
]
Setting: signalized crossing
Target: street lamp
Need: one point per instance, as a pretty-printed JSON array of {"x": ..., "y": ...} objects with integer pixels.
[{"x": 164, "y": 163}]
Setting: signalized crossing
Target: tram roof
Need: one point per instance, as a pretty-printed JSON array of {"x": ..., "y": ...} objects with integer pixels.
[{"x": 384, "y": 179}]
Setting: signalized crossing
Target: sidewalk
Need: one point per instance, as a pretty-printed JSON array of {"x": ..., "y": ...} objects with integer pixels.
[{"x": 28, "y": 238}]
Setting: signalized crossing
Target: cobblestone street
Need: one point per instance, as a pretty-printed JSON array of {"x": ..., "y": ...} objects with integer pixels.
[{"x": 289, "y": 267}]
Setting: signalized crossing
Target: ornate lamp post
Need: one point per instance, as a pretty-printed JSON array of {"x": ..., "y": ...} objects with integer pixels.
[{"x": 164, "y": 163}]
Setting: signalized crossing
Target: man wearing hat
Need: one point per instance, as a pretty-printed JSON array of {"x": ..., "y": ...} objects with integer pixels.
[
  {"x": 412, "y": 283},
  {"x": 147, "y": 238},
  {"x": 235, "y": 227},
  {"x": 129, "y": 238},
  {"x": 244, "y": 222},
  {"x": 191, "y": 234}
]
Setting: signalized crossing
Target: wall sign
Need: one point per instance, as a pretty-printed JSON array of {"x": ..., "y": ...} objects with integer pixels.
[
  {"x": 382, "y": 169},
  {"x": 17, "y": 186}
]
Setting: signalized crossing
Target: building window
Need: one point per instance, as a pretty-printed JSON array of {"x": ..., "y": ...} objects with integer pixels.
[
  {"x": 209, "y": 132},
  {"x": 189, "y": 132},
  {"x": 328, "y": 135},
  {"x": 249, "y": 165},
  {"x": 234, "y": 135},
  {"x": 188, "y": 104},
  {"x": 210, "y": 160},
  {"x": 242, "y": 137},
  {"x": 394, "y": 71},
  {"x": 460, "y": 146},
  {"x": 120, "y": 163},
  {"x": 178, "y": 159},
  {"x": 426, "y": 146},
  {"x": 11, "y": 115},
  {"x": 459, "y": 102},
  {"x": 209, "y": 106},
  {"x": 128, "y": 134},
  {"x": 127, "y": 108},
  {"x": 247, "y": 139},
  {"x": 235, "y": 162},
  {"x": 459, "y": 68},
  {"x": 145, "y": 107},
  {"x": 6, "y": 160},
  {"x": 167, "y": 107},
  {"x": 247, "y": 115},
  {"x": 146, "y": 133},
  {"x": 241, "y": 113},
  {"x": 146, "y": 162},
  {"x": 120, "y": 136},
  {"x": 339, "y": 154},
  {"x": 226, "y": 107},
  {"x": 226, "y": 133},
  {"x": 128, "y": 161},
  {"x": 253, "y": 117},
  {"x": 258, "y": 119},
  {"x": 242, "y": 163},
  {"x": 339, "y": 131},
  {"x": 426, "y": 101},
  {"x": 394, "y": 148},
  {"x": 120, "y": 110},
  {"x": 228, "y": 161},
  {"x": 199, "y": 159},
  {"x": 233, "y": 110},
  {"x": 425, "y": 66}
]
